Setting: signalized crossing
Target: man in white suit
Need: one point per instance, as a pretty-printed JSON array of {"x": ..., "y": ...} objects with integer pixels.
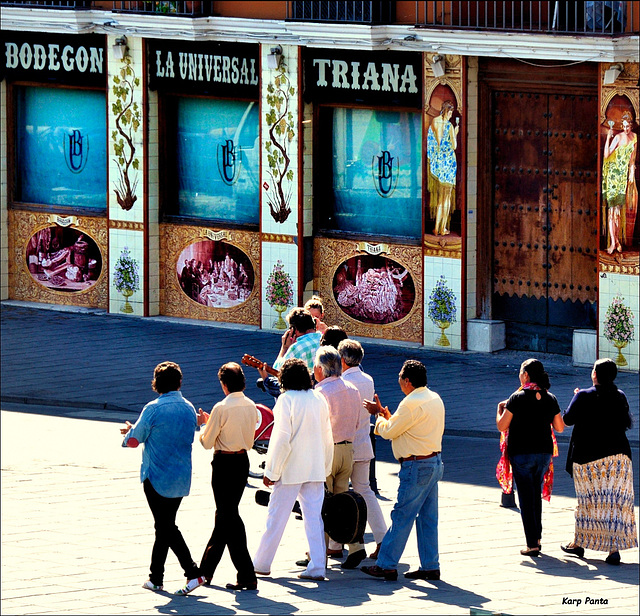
[{"x": 299, "y": 459}]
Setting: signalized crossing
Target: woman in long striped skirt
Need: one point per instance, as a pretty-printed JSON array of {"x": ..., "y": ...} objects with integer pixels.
[{"x": 600, "y": 461}]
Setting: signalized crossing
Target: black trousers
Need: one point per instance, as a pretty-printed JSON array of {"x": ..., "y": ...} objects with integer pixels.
[
  {"x": 228, "y": 479},
  {"x": 168, "y": 535}
]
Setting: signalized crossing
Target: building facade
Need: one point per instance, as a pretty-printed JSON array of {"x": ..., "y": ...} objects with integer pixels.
[{"x": 457, "y": 178}]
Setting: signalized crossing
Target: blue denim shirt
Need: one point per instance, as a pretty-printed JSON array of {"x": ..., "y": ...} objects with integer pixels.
[{"x": 166, "y": 427}]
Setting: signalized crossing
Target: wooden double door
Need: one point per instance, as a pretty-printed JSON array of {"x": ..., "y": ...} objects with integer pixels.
[{"x": 545, "y": 219}]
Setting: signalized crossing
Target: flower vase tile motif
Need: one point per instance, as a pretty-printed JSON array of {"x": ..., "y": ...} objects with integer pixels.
[
  {"x": 126, "y": 278},
  {"x": 442, "y": 303},
  {"x": 279, "y": 292},
  {"x": 442, "y": 309},
  {"x": 280, "y": 143},
  {"x": 619, "y": 328}
]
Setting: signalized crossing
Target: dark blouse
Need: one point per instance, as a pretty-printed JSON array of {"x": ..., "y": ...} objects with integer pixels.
[
  {"x": 600, "y": 416},
  {"x": 530, "y": 428}
]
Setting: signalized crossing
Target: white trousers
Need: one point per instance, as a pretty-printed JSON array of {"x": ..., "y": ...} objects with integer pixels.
[
  {"x": 311, "y": 496},
  {"x": 375, "y": 519}
]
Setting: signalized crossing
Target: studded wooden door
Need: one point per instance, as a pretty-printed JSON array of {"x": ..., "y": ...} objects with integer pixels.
[{"x": 545, "y": 233}]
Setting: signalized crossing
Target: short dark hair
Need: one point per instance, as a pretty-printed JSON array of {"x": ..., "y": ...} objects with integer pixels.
[
  {"x": 535, "y": 370},
  {"x": 415, "y": 371},
  {"x": 606, "y": 371},
  {"x": 294, "y": 375},
  {"x": 351, "y": 352},
  {"x": 301, "y": 320},
  {"x": 333, "y": 336},
  {"x": 232, "y": 376},
  {"x": 167, "y": 377}
]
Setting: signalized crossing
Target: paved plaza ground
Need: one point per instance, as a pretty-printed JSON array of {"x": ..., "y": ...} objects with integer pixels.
[{"x": 77, "y": 532}]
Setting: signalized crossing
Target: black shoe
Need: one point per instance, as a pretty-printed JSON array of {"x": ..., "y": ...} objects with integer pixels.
[
  {"x": 245, "y": 586},
  {"x": 353, "y": 560},
  {"x": 575, "y": 550},
  {"x": 421, "y": 574},
  {"x": 533, "y": 552},
  {"x": 302, "y": 563},
  {"x": 391, "y": 575},
  {"x": 613, "y": 558}
]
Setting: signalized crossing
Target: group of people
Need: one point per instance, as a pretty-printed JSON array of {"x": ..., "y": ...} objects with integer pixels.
[
  {"x": 212, "y": 283},
  {"x": 320, "y": 445},
  {"x": 599, "y": 458}
]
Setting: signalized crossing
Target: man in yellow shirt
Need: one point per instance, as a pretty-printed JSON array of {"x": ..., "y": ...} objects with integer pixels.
[
  {"x": 415, "y": 431},
  {"x": 229, "y": 432}
]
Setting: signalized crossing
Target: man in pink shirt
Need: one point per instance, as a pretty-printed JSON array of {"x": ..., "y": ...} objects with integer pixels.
[{"x": 344, "y": 411}]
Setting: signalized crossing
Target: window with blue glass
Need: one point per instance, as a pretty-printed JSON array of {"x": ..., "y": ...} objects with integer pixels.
[
  {"x": 216, "y": 160},
  {"x": 61, "y": 147},
  {"x": 375, "y": 171}
]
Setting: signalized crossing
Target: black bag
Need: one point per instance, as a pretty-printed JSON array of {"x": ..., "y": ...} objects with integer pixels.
[
  {"x": 345, "y": 516},
  {"x": 569, "y": 466}
]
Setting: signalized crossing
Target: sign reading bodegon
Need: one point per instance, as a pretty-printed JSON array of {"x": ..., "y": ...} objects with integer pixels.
[
  {"x": 374, "y": 78},
  {"x": 227, "y": 70},
  {"x": 55, "y": 58}
]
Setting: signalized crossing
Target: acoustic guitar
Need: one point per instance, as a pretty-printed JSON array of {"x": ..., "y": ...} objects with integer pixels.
[{"x": 254, "y": 362}]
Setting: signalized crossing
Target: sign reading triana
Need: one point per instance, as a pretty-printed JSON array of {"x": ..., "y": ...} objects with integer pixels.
[
  {"x": 376, "y": 78},
  {"x": 57, "y": 58},
  {"x": 221, "y": 69}
]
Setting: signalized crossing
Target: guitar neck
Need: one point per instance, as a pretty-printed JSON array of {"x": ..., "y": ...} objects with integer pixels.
[{"x": 254, "y": 362}]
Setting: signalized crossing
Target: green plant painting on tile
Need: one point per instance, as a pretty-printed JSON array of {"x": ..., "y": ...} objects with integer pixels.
[
  {"x": 280, "y": 120},
  {"x": 127, "y": 118}
]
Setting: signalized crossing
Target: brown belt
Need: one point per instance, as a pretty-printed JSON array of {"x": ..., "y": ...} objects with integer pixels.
[
  {"x": 217, "y": 451},
  {"x": 410, "y": 458}
]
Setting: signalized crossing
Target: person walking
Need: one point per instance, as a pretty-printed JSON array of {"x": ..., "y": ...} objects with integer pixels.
[
  {"x": 298, "y": 461},
  {"x": 415, "y": 431},
  {"x": 229, "y": 432},
  {"x": 528, "y": 416},
  {"x": 166, "y": 427},
  {"x": 600, "y": 462}
]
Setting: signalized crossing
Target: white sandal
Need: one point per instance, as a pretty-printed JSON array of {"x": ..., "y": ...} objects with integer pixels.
[{"x": 190, "y": 585}]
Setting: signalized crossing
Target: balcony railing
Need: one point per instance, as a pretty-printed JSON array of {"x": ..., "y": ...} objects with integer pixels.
[
  {"x": 596, "y": 17},
  {"x": 591, "y": 17}
]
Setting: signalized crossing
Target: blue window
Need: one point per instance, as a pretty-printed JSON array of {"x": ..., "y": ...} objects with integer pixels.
[
  {"x": 376, "y": 172},
  {"x": 217, "y": 154},
  {"x": 61, "y": 147}
]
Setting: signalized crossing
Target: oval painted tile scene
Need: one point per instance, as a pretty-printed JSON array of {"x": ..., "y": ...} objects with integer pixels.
[
  {"x": 63, "y": 259},
  {"x": 374, "y": 289},
  {"x": 215, "y": 274}
]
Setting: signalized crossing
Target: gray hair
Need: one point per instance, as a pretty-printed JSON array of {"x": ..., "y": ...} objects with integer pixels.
[
  {"x": 328, "y": 360},
  {"x": 351, "y": 352}
]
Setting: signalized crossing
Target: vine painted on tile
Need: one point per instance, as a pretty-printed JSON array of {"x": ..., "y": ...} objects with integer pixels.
[
  {"x": 127, "y": 118},
  {"x": 281, "y": 132}
]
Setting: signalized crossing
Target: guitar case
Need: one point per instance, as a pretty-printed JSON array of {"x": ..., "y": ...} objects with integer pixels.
[{"x": 344, "y": 515}]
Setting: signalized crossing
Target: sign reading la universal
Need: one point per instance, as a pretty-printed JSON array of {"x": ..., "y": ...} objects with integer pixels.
[
  {"x": 228, "y": 70},
  {"x": 77, "y": 59},
  {"x": 371, "y": 78}
]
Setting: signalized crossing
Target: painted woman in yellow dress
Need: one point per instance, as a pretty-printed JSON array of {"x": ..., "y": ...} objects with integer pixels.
[{"x": 619, "y": 191}]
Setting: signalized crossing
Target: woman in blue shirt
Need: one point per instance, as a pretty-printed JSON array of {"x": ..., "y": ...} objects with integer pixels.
[{"x": 166, "y": 427}]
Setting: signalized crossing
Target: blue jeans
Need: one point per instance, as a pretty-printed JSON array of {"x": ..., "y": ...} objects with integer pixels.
[
  {"x": 417, "y": 502},
  {"x": 528, "y": 472}
]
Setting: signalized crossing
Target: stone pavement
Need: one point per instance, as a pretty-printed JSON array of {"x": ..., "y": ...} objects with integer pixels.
[{"x": 77, "y": 533}]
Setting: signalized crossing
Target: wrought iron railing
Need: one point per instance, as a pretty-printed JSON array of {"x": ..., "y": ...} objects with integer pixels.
[
  {"x": 591, "y": 17},
  {"x": 370, "y": 12}
]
